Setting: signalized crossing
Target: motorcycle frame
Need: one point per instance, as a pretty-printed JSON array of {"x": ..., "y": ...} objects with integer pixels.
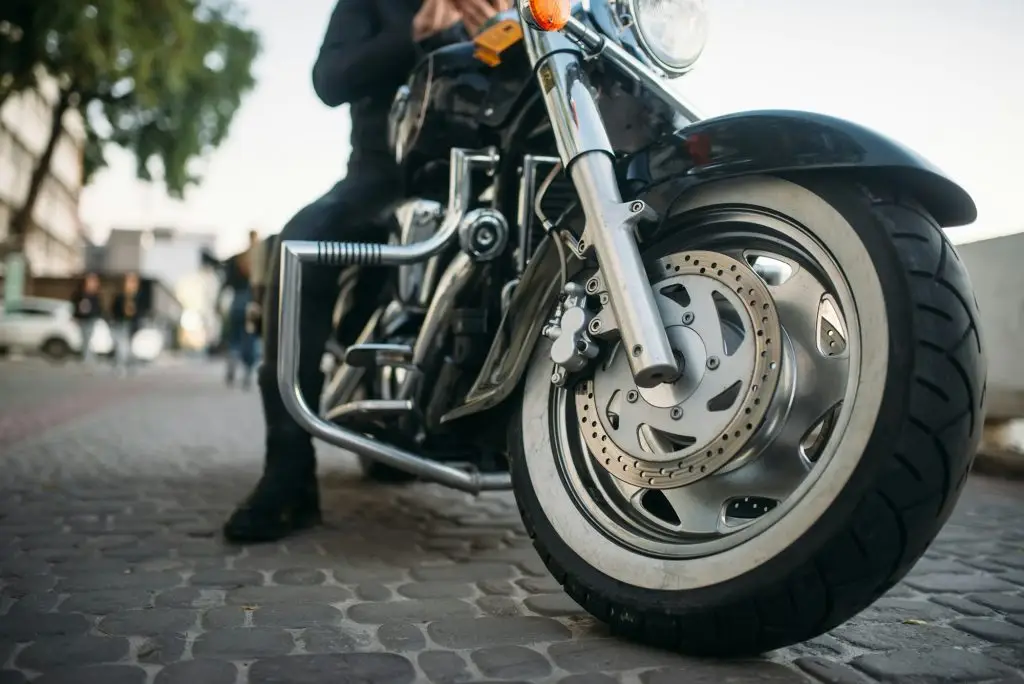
[{"x": 585, "y": 152}]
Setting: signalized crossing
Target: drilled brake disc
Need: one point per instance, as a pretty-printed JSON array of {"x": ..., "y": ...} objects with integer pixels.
[{"x": 721, "y": 321}]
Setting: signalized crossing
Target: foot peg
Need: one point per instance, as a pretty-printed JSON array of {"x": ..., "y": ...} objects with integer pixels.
[
  {"x": 370, "y": 409},
  {"x": 376, "y": 355}
]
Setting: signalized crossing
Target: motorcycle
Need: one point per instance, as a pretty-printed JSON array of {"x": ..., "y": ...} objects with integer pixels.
[{"x": 730, "y": 367}]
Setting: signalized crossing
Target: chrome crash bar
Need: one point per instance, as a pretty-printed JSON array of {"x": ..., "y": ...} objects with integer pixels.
[{"x": 297, "y": 253}]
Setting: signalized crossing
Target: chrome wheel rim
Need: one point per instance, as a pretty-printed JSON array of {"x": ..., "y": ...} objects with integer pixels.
[{"x": 783, "y": 459}]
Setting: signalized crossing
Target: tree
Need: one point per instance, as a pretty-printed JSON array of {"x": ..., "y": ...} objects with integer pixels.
[
  {"x": 18, "y": 53},
  {"x": 159, "y": 78}
]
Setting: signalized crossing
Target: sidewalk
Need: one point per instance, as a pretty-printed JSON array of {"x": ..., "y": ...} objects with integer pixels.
[{"x": 112, "y": 569}]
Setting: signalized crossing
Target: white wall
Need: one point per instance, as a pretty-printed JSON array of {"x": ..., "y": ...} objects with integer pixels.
[
  {"x": 996, "y": 267},
  {"x": 172, "y": 260}
]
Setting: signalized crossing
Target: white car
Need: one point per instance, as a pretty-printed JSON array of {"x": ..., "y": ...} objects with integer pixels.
[{"x": 46, "y": 326}]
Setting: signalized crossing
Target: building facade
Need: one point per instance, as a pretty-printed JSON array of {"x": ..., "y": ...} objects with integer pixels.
[
  {"x": 175, "y": 260},
  {"x": 54, "y": 245}
]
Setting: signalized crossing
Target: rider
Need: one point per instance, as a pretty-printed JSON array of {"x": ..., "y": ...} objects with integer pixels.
[{"x": 368, "y": 51}]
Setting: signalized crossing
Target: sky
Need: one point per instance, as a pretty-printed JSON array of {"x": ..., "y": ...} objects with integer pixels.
[{"x": 935, "y": 75}]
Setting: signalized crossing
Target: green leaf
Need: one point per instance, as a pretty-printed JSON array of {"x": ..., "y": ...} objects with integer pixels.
[{"x": 162, "y": 79}]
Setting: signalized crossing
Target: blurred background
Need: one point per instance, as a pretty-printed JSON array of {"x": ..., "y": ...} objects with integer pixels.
[{"x": 145, "y": 154}]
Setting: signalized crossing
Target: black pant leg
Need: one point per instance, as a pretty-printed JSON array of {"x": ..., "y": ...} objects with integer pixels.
[{"x": 350, "y": 211}]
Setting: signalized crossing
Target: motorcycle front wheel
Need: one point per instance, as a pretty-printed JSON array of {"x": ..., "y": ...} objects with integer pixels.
[{"x": 815, "y": 442}]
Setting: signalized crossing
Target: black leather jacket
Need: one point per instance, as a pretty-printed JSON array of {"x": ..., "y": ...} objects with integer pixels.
[{"x": 367, "y": 53}]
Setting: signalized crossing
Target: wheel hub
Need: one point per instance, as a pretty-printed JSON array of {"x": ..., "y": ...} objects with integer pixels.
[{"x": 721, "y": 320}]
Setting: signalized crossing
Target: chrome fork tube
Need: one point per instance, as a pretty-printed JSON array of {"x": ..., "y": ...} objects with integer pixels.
[{"x": 587, "y": 154}]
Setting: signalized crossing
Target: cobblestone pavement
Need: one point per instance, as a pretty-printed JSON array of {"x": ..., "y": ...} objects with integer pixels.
[{"x": 112, "y": 570}]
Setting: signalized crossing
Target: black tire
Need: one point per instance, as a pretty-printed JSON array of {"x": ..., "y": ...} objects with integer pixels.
[
  {"x": 892, "y": 506},
  {"x": 56, "y": 349}
]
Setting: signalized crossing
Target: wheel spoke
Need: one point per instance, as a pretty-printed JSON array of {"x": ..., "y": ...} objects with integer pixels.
[
  {"x": 699, "y": 508},
  {"x": 774, "y": 475},
  {"x": 797, "y": 301},
  {"x": 821, "y": 380}
]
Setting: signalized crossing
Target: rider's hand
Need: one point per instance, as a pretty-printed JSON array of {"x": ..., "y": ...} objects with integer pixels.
[
  {"x": 476, "y": 13},
  {"x": 433, "y": 17}
]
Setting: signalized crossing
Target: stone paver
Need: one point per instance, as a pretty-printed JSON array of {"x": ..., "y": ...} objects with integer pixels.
[{"x": 112, "y": 569}]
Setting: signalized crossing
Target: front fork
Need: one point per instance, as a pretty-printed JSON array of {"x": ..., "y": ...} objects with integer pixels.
[{"x": 587, "y": 156}]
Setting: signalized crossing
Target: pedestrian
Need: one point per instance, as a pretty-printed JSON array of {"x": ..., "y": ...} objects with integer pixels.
[
  {"x": 128, "y": 311},
  {"x": 259, "y": 267},
  {"x": 87, "y": 311},
  {"x": 369, "y": 49},
  {"x": 241, "y": 335}
]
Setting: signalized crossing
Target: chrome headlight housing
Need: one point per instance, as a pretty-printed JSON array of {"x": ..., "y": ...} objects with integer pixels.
[{"x": 672, "y": 33}]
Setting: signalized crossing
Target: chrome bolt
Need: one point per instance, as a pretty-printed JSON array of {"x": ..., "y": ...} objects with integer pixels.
[
  {"x": 632, "y": 396},
  {"x": 688, "y": 318},
  {"x": 595, "y": 325},
  {"x": 636, "y": 207},
  {"x": 485, "y": 237},
  {"x": 676, "y": 413},
  {"x": 713, "y": 362},
  {"x": 592, "y": 285}
]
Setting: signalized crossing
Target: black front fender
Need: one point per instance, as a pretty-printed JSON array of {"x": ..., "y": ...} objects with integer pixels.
[
  {"x": 786, "y": 142},
  {"x": 750, "y": 143}
]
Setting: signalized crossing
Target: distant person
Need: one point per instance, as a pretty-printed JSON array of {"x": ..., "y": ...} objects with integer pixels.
[
  {"x": 128, "y": 311},
  {"x": 87, "y": 313},
  {"x": 241, "y": 333},
  {"x": 259, "y": 274}
]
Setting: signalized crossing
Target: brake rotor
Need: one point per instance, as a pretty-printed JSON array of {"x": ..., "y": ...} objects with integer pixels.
[{"x": 722, "y": 323}]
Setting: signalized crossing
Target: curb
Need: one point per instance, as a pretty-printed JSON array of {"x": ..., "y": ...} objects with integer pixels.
[
  {"x": 1001, "y": 452},
  {"x": 1008, "y": 464}
]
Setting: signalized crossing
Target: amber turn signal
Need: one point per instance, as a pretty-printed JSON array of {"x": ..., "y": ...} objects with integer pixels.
[{"x": 549, "y": 15}]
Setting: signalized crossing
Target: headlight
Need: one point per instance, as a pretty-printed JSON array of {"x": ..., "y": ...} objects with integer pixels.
[{"x": 672, "y": 32}]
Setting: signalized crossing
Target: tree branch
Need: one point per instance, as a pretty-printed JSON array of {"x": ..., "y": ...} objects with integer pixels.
[{"x": 22, "y": 219}]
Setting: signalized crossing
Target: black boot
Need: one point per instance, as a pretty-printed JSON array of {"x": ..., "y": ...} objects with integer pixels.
[{"x": 286, "y": 499}]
